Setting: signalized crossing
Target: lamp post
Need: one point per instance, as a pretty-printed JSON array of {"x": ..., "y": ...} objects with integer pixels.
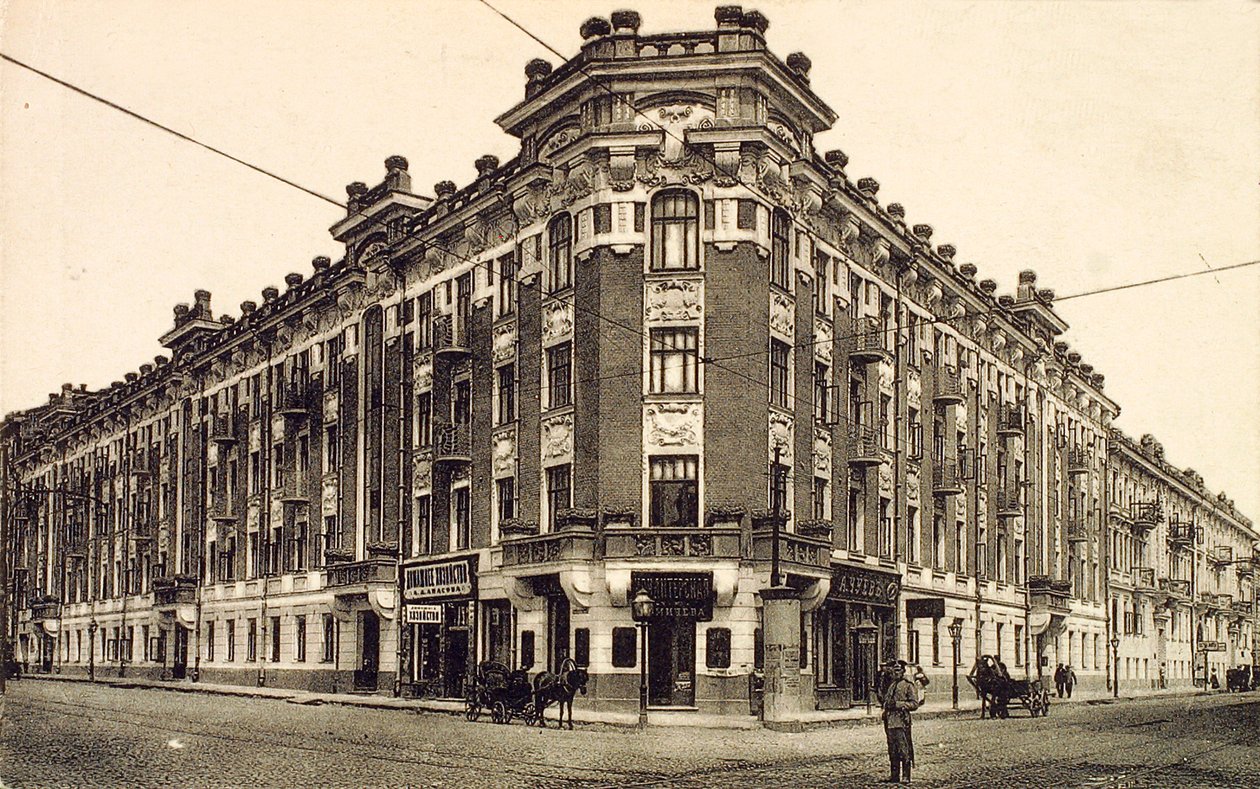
[
  {"x": 1115, "y": 666},
  {"x": 92, "y": 650},
  {"x": 955, "y": 635},
  {"x": 866, "y": 630},
  {"x": 641, "y": 608}
]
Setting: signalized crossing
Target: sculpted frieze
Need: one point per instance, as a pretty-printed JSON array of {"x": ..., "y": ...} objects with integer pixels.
[
  {"x": 822, "y": 341},
  {"x": 822, "y": 452},
  {"x": 674, "y": 300},
  {"x": 424, "y": 372},
  {"x": 422, "y": 472},
  {"x": 557, "y": 320},
  {"x": 673, "y": 424},
  {"x": 781, "y": 436},
  {"x": 504, "y": 343},
  {"x": 328, "y": 495},
  {"x": 557, "y": 437}
]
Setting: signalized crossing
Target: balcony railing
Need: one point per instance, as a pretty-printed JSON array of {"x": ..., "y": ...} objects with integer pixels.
[
  {"x": 869, "y": 341},
  {"x": 1181, "y": 534},
  {"x": 1144, "y": 577},
  {"x": 1176, "y": 587},
  {"x": 379, "y": 570},
  {"x": 1010, "y": 420},
  {"x": 294, "y": 403},
  {"x": 177, "y": 590},
  {"x": 1010, "y": 502},
  {"x": 45, "y": 609},
  {"x": 1076, "y": 529},
  {"x": 1246, "y": 568},
  {"x": 1077, "y": 461},
  {"x": 555, "y": 547},
  {"x": 222, "y": 508},
  {"x": 795, "y": 549},
  {"x": 1047, "y": 592},
  {"x": 1221, "y": 555},
  {"x": 1243, "y": 607},
  {"x": 291, "y": 487},
  {"x": 452, "y": 443},
  {"x": 450, "y": 335},
  {"x": 949, "y": 386},
  {"x": 946, "y": 477},
  {"x": 1147, "y": 513},
  {"x": 223, "y": 429},
  {"x": 864, "y": 446},
  {"x": 703, "y": 542}
]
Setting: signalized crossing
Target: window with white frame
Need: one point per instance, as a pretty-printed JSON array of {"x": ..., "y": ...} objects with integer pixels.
[
  {"x": 779, "y": 356},
  {"x": 675, "y": 230},
  {"x": 560, "y": 252},
  {"x": 560, "y": 375},
  {"x": 675, "y": 363},
  {"x": 461, "y": 518},
  {"x": 559, "y": 492},
  {"x": 674, "y": 490}
]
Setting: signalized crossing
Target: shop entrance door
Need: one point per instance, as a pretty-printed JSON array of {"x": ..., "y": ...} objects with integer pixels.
[
  {"x": 499, "y": 632},
  {"x": 46, "y": 653},
  {"x": 859, "y": 666},
  {"x": 369, "y": 651},
  {"x": 557, "y": 631},
  {"x": 672, "y": 662},
  {"x": 456, "y": 661},
  {"x": 179, "y": 665}
]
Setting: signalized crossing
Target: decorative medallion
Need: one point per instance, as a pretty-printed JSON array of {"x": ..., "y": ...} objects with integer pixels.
[
  {"x": 557, "y": 320},
  {"x": 673, "y": 424},
  {"x": 781, "y": 437},
  {"x": 557, "y": 437},
  {"x": 822, "y": 340},
  {"x": 504, "y": 452},
  {"x": 674, "y": 300},
  {"x": 781, "y": 315},
  {"x": 328, "y": 495},
  {"x": 505, "y": 343}
]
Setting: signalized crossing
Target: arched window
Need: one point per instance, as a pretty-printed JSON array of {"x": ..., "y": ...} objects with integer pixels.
[
  {"x": 675, "y": 230},
  {"x": 560, "y": 252},
  {"x": 780, "y": 249}
]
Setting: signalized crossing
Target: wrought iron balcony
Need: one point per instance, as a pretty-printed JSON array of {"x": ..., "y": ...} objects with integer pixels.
[
  {"x": 45, "y": 608},
  {"x": 1175, "y": 587},
  {"x": 949, "y": 386},
  {"x": 1181, "y": 534},
  {"x": 864, "y": 446},
  {"x": 223, "y": 429},
  {"x": 452, "y": 443},
  {"x": 1221, "y": 555},
  {"x": 869, "y": 341},
  {"x": 1010, "y": 421},
  {"x": 1246, "y": 568},
  {"x": 1146, "y": 514},
  {"x": 292, "y": 487},
  {"x": 171, "y": 591},
  {"x": 946, "y": 477},
  {"x": 701, "y": 542},
  {"x": 450, "y": 336},
  {"x": 1076, "y": 530},
  {"x": 1077, "y": 461},
  {"x": 379, "y": 570},
  {"x": 1243, "y": 607},
  {"x": 1048, "y": 593},
  {"x": 294, "y": 403},
  {"x": 1010, "y": 500}
]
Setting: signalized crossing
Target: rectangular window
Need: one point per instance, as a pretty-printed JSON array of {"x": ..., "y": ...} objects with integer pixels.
[
  {"x": 1019, "y": 645},
  {"x": 209, "y": 641},
  {"x": 424, "y": 526},
  {"x": 822, "y": 394},
  {"x": 746, "y": 214},
  {"x": 779, "y": 373},
  {"x": 582, "y": 646},
  {"x": 558, "y": 493},
  {"x": 275, "y": 639},
  {"x": 717, "y": 647},
  {"x": 675, "y": 231},
  {"x": 505, "y": 495},
  {"x": 624, "y": 647},
  {"x": 527, "y": 650},
  {"x": 675, "y": 362},
  {"x": 675, "y": 492},
  {"x": 505, "y": 392},
  {"x": 818, "y": 499},
  {"x": 559, "y": 375},
  {"x": 424, "y": 321},
  {"x": 424, "y": 419},
  {"x": 912, "y": 534},
  {"x": 936, "y": 642},
  {"x": 460, "y": 518},
  {"x": 299, "y": 638},
  {"x": 229, "y": 633},
  {"x": 251, "y": 640},
  {"x": 461, "y": 402},
  {"x": 330, "y": 639},
  {"x": 780, "y": 250},
  {"x": 507, "y": 284},
  {"x": 999, "y": 640},
  {"x": 560, "y": 252},
  {"x": 912, "y": 646}
]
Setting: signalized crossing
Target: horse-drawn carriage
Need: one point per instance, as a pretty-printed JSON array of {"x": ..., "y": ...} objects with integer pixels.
[
  {"x": 1242, "y": 679},
  {"x": 996, "y": 689},
  {"x": 502, "y": 692}
]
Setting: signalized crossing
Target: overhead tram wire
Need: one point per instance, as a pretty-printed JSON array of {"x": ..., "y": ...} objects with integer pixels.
[{"x": 488, "y": 265}]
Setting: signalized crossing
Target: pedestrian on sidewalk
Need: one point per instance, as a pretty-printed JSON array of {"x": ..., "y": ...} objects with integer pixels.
[
  {"x": 1215, "y": 680},
  {"x": 1058, "y": 679},
  {"x": 900, "y": 699},
  {"x": 1069, "y": 679}
]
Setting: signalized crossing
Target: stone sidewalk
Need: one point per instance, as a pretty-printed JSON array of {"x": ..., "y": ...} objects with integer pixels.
[{"x": 857, "y": 715}]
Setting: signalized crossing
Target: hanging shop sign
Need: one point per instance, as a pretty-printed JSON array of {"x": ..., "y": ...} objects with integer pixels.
[
  {"x": 1211, "y": 646},
  {"x": 864, "y": 585},
  {"x": 688, "y": 595},
  {"x": 424, "y": 614},
  {"x": 445, "y": 580},
  {"x": 925, "y": 608}
]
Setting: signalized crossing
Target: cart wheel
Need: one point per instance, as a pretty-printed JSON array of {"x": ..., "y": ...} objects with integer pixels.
[
  {"x": 528, "y": 714},
  {"x": 499, "y": 714},
  {"x": 472, "y": 710},
  {"x": 1034, "y": 705}
]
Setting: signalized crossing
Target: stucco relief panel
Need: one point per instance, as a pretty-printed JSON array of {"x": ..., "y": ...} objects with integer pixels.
[
  {"x": 885, "y": 480},
  {"x": 780, "y": 432},
  {"x": 673, "y": 425},
  {"x": 782, "y": 316},
  {"x": 914, "y": 390},
  {"x": 424, "y": 373},
  {"x": 912, "y": 486},
  {"x": 823, "y": 337},
  {"x": 422, "y": 472},
  {"x": 504, "y": 343},
  {"x": 504, "y": 452},
  {"x": 255, "y": 437},
  {"x": 673, "y": 300},
  {"x": 822, "y": 453},
  {"x": 330, "y": 405},
  {"x": 557, "y": 437},
  {"x": 557, "y": 321}
]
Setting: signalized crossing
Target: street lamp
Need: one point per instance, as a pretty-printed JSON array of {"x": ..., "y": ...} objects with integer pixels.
[
  {"x": 641, "y": 608},
  {"x": 92, "y": 650},
  {"x": 866, "y": 630},
  {"x": 1115, "y": 666},
  {"x": 955, "y": 635}
]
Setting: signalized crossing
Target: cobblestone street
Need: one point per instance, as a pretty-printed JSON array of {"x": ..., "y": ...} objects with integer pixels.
[{"x": 73, "y": 734}]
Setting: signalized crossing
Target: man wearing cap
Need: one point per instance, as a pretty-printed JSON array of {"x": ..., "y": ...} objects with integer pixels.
[{"x": 900, "y": 699}]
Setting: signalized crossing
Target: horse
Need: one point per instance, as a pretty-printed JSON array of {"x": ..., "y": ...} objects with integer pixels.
[{"x": 560, "y": 687}]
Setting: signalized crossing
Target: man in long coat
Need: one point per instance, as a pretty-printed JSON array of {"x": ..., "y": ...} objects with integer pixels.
[{"x": 900, "y": 699}]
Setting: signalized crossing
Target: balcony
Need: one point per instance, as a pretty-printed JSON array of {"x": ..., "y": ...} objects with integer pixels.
[
  {"x": 1077, "y": 461},
  {"x": 357, "y": 576},
  {"x": 1242, "y": 607},
  {"x": 798, "y": 553},
  {"x": 1076, "y": 530},
  {"x": 450, "y": 336},
  {"x": 1010, "y": 422},
  {"x": 946, "y": 477},
  {"x": 1181, "y": 534},
  {"x": 864, "y": 446},
  {"x": 46, "y": 608},
  {"x": 452, "y": 443},
  {"x": 1246, "y": 568},
  {"x": 949, "y": 386},
  {"x": 223, "y": 430},
  {"x": 169, "y": 591},
  {"x": 569, "y": 545},
  {"x": 1144, "y": 577},
  {"x": 869, "y": 341},
  {"x": 707, "y": 542},
  {"x": 1048, "y": 593},
  {"x": 222, "y": 509},
  {"x": 292, "y": 488},
  {"x": 1010, "y": 502},
  {"x": 1178, "y": 588},
  {"x": 1221, "y": 555},
  {"x": 294, "y": 403}
]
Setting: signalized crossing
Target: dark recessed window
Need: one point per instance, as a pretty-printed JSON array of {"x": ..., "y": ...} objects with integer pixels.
[
  {"x": 717, "y": 647},
  {"x": 625, "y": 642}
]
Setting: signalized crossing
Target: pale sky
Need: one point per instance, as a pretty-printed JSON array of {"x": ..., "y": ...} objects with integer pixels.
[{"x": 1096, "y": 143}]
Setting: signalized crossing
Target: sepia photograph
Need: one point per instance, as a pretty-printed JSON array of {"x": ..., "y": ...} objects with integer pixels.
[{"x": 494, "y": 394}]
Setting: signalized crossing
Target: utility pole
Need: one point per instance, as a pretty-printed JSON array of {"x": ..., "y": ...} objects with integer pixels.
[
  {"x": 5, "y": 557},
  {"x": 776, "y": 495}
]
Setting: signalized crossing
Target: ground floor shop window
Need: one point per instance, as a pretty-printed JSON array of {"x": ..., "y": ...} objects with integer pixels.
[{"x": 624, "y": 647}]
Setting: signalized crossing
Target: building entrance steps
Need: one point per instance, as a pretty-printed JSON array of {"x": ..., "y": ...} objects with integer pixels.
[{"x": 969, "y": 707}]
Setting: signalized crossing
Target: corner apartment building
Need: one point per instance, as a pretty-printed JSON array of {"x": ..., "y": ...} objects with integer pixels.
[{"x": 664, "y": 343}]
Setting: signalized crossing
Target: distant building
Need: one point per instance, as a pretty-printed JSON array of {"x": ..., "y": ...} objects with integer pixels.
[{"x": 609, "y": 365}]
